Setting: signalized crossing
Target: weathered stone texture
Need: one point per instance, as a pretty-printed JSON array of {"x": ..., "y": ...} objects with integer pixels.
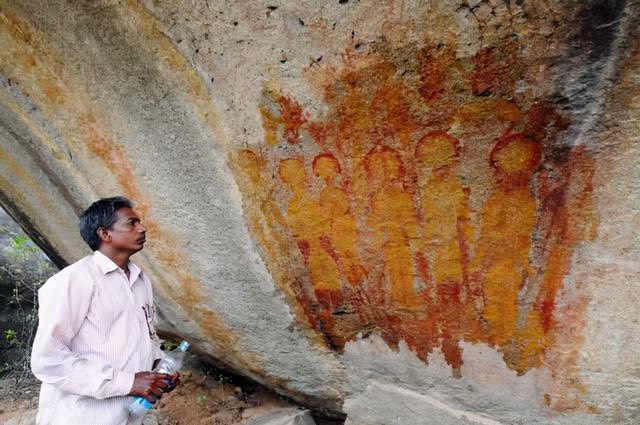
[{"x": 427, "y": 205}]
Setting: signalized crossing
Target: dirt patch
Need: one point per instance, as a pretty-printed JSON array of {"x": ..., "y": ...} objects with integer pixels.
[{"x": 214, "y": 399}]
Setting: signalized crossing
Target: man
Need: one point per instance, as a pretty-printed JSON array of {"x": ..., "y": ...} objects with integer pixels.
[{"x": 96, "y": 334}]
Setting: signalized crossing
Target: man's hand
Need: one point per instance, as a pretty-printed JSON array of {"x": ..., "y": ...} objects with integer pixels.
[{"x": 150, "y": 385}]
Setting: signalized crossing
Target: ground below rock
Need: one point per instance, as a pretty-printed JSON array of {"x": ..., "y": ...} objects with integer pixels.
[{"x": 206, "y": 396}]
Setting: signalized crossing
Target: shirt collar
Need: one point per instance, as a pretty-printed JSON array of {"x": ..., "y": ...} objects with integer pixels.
[
  {"x": 106, "y": 265},
  {"x": 134, "y": 272}
]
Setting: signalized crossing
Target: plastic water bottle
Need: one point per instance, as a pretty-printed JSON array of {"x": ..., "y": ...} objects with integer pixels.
[{"x": 170, "y": 364}]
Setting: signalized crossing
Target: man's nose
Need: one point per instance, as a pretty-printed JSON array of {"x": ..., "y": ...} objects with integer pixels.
[{"x": 141, "y": 228}]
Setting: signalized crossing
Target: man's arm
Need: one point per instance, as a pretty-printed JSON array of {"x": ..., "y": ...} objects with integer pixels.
[{"x": 64, "y": 303}]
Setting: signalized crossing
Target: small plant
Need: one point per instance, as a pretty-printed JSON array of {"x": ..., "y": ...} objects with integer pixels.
[
  {"x": 11, "y": 336},
  {"x": 21, "y": 248},
  {"x": 25, "y": 267},
  {"x": 168, "y": 345},
  {"x": 201, "y": 398}
]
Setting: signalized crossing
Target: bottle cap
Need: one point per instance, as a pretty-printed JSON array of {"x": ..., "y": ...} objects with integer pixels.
[
  {"x": 184, "y": 346},
  {"x": 144, "y": 402}
]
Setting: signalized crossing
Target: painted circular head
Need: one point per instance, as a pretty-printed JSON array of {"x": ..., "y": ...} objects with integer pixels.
[
  {"x": 250, "y": 163},
  {"x": 383, "y": 163},
  {"x": 326, "y": 166},
  {"x": 292, "y": 172},
  {"x": 515, "y": 155},
  {"x": 437, "y": 149}
]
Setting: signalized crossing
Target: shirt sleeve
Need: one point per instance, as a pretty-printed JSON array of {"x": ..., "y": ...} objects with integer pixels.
[{"x": 64, "y": 302}]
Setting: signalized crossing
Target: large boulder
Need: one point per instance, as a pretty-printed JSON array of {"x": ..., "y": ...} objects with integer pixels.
[{"x": 393, "y": 210}]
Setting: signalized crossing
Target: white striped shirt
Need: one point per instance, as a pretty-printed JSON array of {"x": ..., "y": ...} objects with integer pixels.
[{"x": 96, "y": 330}]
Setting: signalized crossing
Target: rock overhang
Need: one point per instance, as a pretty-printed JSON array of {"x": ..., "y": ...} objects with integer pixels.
[{"x": 432, "y": 178}]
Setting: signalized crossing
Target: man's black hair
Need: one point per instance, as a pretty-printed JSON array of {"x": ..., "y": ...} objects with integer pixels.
[{"x": 101, "y": 213}]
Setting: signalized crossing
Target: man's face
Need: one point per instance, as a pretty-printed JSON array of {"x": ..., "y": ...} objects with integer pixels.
[{"x": 127, "y": 233}]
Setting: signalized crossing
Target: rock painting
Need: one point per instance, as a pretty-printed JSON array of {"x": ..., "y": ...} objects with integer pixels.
[{"x": 433, "y": 202}]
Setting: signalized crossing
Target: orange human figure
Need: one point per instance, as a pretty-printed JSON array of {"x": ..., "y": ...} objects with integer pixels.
[
  {"x": 341, "y": 233},
  {"x": 308, "y": 226},
  {"x": 501, "y": 260},
  {"x": 446, "y": 228},
  {"x": 393, "y": 221},
  {"x": 444, "y": 245}
]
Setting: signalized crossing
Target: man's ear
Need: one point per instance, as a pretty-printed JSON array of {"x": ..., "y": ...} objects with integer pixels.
[{"x": 103, "y": 234}]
